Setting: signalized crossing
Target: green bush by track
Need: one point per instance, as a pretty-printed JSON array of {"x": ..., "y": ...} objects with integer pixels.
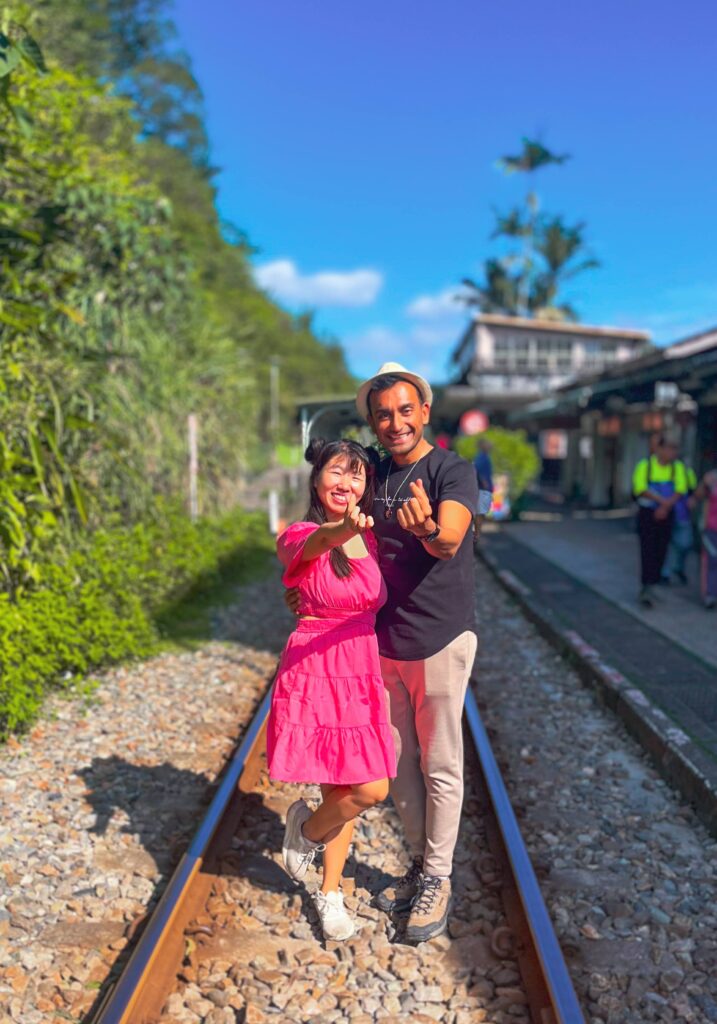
[{"x": 101, "y": 601}]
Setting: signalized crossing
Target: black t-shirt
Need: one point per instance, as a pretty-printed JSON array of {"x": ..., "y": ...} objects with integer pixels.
[{"x": 430, "y": 600}]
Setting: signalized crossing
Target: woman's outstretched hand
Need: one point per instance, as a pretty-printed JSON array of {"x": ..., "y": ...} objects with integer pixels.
[{"x": 354, "y": 519}]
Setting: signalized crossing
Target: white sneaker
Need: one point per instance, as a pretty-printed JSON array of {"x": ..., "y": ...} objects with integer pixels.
[
  {"x": 298, "y": 851},
  {"x": 335, "y": 920}
]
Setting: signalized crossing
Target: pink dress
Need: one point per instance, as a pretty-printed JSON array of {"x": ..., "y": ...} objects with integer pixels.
[{"x": 329, "y": 718}]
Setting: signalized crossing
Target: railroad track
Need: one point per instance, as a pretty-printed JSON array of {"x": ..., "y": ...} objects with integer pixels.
[{"x": 212, "y": 913}]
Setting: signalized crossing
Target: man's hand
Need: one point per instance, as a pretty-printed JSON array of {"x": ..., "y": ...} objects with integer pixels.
[
  {"x": 292, "y": 599},
  {"x": 662, "y": 512},
  {"x": 354, "y": 520},
  {"x": 416, "y": 514}
]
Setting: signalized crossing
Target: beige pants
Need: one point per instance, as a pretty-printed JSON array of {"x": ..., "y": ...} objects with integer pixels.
[{"x": 426, "y": 699}]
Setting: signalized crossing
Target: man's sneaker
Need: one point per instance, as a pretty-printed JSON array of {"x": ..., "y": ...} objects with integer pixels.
[
  {"x": 336, "y": 922},
  {"x": 429, "y": 911},
  {"x": 398, "y": 896},
  {"x": 647, "y": 599},
  {"x": 298, "y": 851}
]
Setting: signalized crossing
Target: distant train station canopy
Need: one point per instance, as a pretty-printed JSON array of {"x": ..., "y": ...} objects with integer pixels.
[
  {"x": 327, "y": 416},
  {"x": 685, "y": 367}
]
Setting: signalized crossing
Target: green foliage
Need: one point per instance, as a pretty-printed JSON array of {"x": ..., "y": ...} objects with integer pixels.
[
  {"x": 100, "y": 601},
  {"x": 511, "y": 454},
  {"x": 125, "y": 304},
  {"x": 527, "y": 282}
]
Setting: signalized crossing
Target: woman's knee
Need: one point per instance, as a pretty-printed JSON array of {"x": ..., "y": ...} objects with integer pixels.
[{"x": 370, "y": 793}]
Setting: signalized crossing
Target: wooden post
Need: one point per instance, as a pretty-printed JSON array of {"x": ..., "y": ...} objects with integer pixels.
[
  {"x": 192, "y": 435},
  {"x": 274, "y": 511}
]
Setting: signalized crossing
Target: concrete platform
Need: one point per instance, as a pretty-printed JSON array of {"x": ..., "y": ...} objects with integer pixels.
[{"x": 601, "y": 550}]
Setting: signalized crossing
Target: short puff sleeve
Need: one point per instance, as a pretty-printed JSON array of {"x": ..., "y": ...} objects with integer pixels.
[{"x": 289, "y": 548}]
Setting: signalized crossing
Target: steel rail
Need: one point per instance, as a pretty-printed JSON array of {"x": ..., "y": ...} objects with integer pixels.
[
  {"x": 118, "y": 1005},
  {"x": 552, "y": 964}
]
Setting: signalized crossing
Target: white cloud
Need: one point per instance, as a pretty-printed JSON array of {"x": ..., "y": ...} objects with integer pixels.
[
  {"x": 440, "y": 306},
  {"x": 327, "y": 288},
  {"x": 425, "y": 349}
]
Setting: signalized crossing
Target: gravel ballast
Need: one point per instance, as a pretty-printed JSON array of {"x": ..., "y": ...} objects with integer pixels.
[{"x": 98, "y": 803}]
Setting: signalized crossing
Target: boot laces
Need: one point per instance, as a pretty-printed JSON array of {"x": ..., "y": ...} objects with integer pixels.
[
  {"x": 413, "y": 874},
  {"x": 427, "y": 895}
]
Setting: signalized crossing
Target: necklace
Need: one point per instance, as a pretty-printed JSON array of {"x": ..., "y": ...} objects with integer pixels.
[{"x": 388, "y": 511}]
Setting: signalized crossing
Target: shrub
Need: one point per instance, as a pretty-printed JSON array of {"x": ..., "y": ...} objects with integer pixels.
[
  {"x": 99, "y": 602},
  {"x": 511, "y": 454}
]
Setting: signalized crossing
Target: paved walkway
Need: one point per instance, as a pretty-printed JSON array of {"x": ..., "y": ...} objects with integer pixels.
[
  {"x": 580, "y": 572},
  {"x": 603, "y": 553}
]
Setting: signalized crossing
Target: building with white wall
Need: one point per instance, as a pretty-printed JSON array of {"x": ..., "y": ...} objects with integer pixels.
[{"x": 503, "y": 362}]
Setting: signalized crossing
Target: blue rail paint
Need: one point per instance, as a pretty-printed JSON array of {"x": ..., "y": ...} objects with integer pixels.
[
  {"x": 114, "y": 1010},
  {"x": 565, "y": 1003}
]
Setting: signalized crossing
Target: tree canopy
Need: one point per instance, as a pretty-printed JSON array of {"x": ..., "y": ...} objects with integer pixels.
[{"x": 125, "y": 302}]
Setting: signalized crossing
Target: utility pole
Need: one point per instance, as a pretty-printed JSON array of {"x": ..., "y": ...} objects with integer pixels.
[
  {"x": 274, "y": 403},
  {"x": 192, "y": 436}
]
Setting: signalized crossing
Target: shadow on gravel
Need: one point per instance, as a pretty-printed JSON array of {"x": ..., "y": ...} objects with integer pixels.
[{"x": 162, "y": 806}]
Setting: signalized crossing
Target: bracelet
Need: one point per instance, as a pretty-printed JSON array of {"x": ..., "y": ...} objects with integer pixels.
[{"x": 430, "y": 537}]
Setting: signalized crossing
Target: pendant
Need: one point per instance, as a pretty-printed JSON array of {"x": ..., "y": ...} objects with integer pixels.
[{"x": 387, "y": 513}]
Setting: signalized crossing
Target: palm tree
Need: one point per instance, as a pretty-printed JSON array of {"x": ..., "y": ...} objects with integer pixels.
[{"x": 549, "y": 252}]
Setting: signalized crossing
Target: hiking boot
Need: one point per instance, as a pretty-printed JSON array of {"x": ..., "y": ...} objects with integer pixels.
[
  {"x": 298, "y": 851},
  {"x": 429, "y": 910},
  {"x": 398, "y": 896},
  {"x": 336, "y": 923}
]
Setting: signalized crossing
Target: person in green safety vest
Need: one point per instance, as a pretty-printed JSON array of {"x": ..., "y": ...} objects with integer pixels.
[
  {"x": 682, "y": 539},
  {"x": 658, "y": 482}
]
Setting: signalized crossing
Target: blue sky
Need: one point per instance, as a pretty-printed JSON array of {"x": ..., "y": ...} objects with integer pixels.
[{"x": 358, "y": 146}]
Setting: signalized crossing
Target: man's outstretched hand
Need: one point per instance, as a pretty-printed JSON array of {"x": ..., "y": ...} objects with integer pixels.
[{"x": 416, "y": 514}]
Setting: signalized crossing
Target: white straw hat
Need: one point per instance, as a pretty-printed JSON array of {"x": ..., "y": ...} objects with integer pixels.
[{"x": 421, "y": 383}]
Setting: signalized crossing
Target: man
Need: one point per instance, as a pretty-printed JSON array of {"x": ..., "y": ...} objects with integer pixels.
[
  {"x": 426, "y": 498},
  {"x": 658, "y": 483},
  {"x": 484, "y": 472}
]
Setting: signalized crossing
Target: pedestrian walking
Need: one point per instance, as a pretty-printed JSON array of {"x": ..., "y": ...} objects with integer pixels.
[
  {"x": 424, "y": 504},
  {"x": 483, "y": 465},
  {"x": 329, "y": 721},
  {"x": 682, "y": 537},
  {"x": 658, "y": 482},
  {"x": 707, "y": 492}
]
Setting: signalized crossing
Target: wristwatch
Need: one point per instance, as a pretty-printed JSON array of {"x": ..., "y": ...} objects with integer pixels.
[{"x": 430, "y": 537}]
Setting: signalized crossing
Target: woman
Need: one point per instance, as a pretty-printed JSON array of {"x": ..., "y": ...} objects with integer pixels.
[
  {"x": 329, "y": 717},
  {"x": 707, "y": 491}
]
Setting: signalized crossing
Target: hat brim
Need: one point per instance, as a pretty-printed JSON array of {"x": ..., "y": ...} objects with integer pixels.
[{"x": 424, "y": 388}]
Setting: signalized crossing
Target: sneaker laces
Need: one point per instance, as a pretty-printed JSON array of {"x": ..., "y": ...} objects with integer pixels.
[
  {"x": 307, "y": 857},
  {"x": 322, "y": 900},
  {"x": 423, "y": 904}
]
